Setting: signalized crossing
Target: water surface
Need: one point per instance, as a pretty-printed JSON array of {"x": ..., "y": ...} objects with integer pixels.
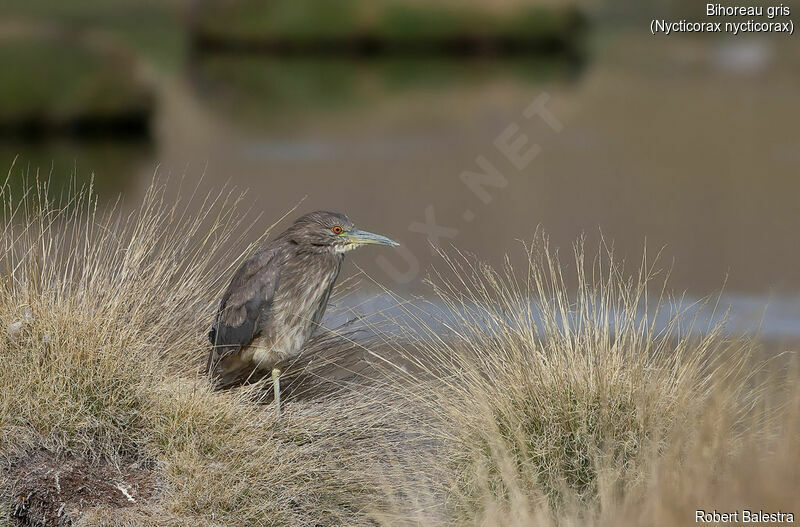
[{"x": 688, "y": 146}]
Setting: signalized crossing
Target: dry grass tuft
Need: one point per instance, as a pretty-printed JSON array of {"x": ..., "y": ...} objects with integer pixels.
[
  {"x": 104, "y": 321},
  {"x": 565, "y": 394},
  {"x": 561, "y": 395},
  {"x": 578, "y": 394}
]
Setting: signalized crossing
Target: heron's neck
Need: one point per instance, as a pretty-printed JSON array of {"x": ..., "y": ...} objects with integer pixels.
[{"x": 316, "y": 250}]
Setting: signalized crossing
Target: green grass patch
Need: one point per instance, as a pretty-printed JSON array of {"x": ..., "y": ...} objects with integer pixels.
[
  {"x": 250, "y": 20},
  {"x": 56, "y": 82}
]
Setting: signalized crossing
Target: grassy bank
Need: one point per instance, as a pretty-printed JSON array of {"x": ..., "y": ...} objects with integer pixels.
[
  {"x": 575, "y": 410},
  {"x": 63, "y": 83},
  {"x": 395, "y": 26}
]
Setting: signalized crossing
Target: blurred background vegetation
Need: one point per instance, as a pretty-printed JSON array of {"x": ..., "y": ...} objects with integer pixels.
[{"x": 93, "y": 70}]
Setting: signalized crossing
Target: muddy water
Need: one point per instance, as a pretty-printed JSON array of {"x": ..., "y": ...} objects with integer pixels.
[{"x": 690, "y": 146}]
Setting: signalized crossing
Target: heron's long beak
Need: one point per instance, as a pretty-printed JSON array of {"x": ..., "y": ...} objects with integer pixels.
[{"x": 368, "y": 238}]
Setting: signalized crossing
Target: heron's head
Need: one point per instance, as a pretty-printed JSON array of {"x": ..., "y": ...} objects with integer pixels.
[{"x": 333, "y": 231}]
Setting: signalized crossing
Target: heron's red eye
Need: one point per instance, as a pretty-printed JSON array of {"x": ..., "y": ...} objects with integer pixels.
[{"x": 337, "y": 230}]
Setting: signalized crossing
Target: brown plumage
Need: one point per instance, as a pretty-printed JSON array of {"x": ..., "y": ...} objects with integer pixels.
[{"x": 278, "y": 296}]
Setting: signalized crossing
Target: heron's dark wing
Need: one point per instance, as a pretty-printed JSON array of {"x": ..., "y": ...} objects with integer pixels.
[{"x": 247, "y": 298}]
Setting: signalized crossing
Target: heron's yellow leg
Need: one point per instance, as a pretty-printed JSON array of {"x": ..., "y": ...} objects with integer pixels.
[{"x": 276, "y": 386}]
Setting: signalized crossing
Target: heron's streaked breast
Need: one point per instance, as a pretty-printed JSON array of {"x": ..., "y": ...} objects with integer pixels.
[{"x": 303, "y": 291}]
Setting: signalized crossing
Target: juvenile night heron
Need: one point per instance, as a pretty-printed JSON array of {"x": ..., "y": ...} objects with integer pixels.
[{"x": 278, "y": 296}]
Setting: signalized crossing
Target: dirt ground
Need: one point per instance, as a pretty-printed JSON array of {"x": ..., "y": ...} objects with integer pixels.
[{"x": 48, "y": 490}]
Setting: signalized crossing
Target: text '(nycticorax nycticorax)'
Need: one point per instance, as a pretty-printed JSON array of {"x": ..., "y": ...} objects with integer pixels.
[{"x": 277, "y": 298}]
